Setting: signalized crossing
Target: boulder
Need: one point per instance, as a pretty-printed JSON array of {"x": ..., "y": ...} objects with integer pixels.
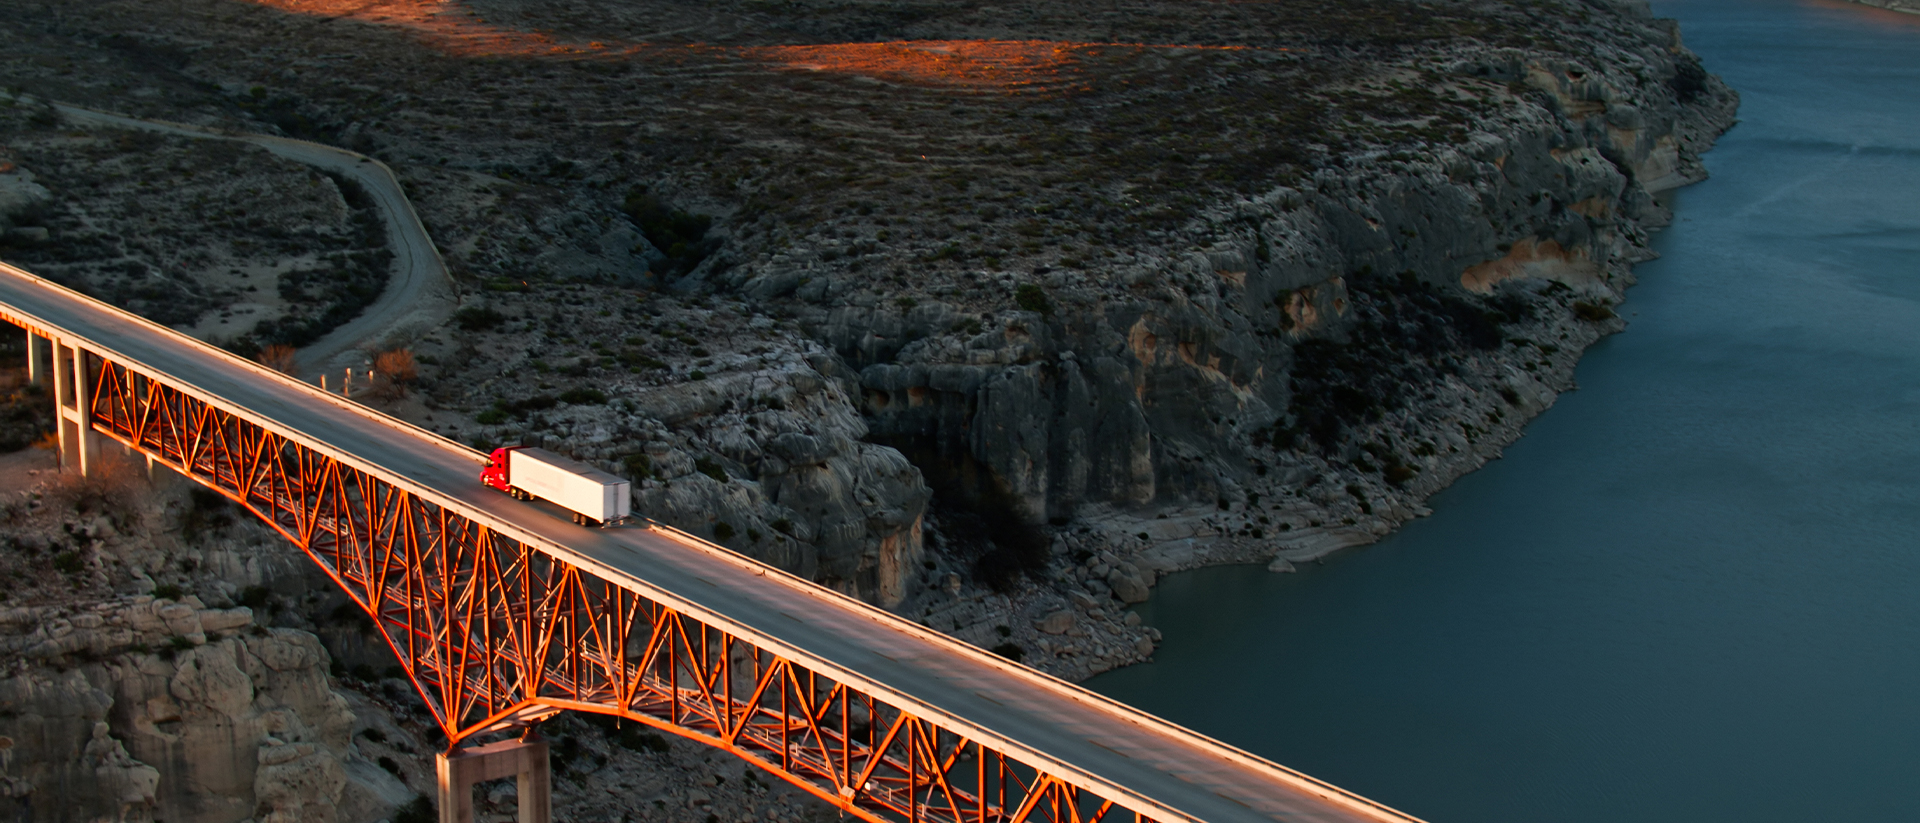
[
  {"x": 1128, "y": 588},
  {"x": 1056, "y": 623}
]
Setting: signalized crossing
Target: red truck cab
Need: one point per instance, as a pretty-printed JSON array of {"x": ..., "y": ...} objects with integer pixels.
[{"x": 495, "y": 474}]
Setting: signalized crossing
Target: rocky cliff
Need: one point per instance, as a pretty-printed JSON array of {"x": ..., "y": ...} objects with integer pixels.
[
  {"x": 1174, "y": 377},
  {"x": 127, "y": 697},
  {"x": 173, "y": 711}
]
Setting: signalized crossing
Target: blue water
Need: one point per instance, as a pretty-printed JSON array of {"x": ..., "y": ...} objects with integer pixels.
[{"x": 1692, "y": 591}]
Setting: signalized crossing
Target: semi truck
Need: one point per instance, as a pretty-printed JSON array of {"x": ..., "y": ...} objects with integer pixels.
[{"x": 595, "y": 497}]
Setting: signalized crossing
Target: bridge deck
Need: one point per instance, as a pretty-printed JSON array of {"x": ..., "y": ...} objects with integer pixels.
[{"x": 1141, "y": 761}]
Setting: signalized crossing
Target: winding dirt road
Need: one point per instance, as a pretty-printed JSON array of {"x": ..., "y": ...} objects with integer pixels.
[{"x": 419, "y": 294}]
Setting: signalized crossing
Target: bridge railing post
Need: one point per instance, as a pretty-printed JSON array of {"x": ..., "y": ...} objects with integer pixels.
[{"x": 523, "y": 759}]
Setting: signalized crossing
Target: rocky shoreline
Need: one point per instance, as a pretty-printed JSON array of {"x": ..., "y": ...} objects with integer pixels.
[{"x": 1297, "y": 506}]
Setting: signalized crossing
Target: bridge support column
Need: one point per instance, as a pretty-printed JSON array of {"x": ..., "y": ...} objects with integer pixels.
[
  {"x": 36, "y": 359},
  {"x": 79, "y": 443},
  {"x": 524, "y": 759}
]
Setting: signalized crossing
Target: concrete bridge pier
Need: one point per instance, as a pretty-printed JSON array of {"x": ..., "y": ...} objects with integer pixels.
[
  {"x": 37, "y": 359},
  {"x": 79, "y": 443},
  {"x": 524, "y": 759}
]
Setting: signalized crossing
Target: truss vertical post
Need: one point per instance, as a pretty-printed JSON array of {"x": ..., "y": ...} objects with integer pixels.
[{"x": 525, "y": 760}]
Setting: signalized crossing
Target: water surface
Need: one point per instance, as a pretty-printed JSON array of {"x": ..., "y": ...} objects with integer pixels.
[{"x": 1692, "y": 591}]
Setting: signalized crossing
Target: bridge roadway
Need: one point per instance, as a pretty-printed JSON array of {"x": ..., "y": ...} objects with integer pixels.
[{"x": 1139, "y": 761}]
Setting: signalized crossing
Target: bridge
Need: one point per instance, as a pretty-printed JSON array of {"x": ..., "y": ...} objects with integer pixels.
[{"x": 505, "y": 613}]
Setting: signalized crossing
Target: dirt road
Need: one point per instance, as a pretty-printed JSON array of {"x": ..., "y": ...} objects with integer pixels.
[{"x": 419, "y": 295}]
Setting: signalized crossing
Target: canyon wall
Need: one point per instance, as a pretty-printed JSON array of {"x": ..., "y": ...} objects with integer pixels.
[{"x": 1166, "y": 379}]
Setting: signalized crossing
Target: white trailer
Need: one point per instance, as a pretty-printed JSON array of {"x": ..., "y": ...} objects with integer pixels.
[{"x": 595, "y": 497}]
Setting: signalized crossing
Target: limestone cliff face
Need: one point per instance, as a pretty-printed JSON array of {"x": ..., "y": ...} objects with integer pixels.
[
  {"x": 1157, "y": 379},
  {"x": 790, "y": 478},
  {"x": 144, "y": 709},
  {"x": 771, "y": 461}
]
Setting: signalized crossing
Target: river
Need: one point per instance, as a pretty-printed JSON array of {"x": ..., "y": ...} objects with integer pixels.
[{"x": 1692, "y": 591}]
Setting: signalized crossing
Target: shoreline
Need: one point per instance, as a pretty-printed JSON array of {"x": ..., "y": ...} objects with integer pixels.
[{"x": 1071, "y": 619}]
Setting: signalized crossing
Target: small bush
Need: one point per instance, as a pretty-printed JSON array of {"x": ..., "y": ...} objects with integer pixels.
[
  {"x": 1030, "y": 297},
  {"x": 711, "y": 468},
  {"x": 583, "y": 396},
  {"x": 637, "y": 465},
  {"x": 206, "y": 511},
  {"x": 722, "y": 531},
  {"x": 374, "y": 735},
  {"x": 167, "y": 591},
  {"x": 637, "y": 738},
  {"x": 418, "y": 810},
  {"x": 254, "y": 597},
  {"x": 1593, "y": 312},
  {"x": 389, "y": 764},
  {"x": 1010, "y": 651},
  {"x": 783, "y": 526},
  {"x": 478, "y": 318},
  {"x": 68, "y": 562}
]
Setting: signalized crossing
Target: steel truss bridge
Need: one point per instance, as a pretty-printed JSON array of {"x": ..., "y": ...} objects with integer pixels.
[{"x": 505, "y": 613}]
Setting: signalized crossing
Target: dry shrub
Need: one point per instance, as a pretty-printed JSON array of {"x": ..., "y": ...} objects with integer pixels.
[
  {"x": 393, "y": 372},
  {"x": 278, "y": 357},
  {"x": 26, "y": 411},
  {"x": 118, "y": 486}
]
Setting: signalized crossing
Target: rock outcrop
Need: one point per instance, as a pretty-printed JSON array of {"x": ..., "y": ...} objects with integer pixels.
[
  {"x": 765, "y": 453},
  {"x": 145, "y": 709}
]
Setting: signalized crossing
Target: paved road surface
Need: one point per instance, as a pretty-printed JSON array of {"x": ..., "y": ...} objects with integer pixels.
[
  {"x": 1138, "y": 760},
  {"x": 419, "y": 295}
]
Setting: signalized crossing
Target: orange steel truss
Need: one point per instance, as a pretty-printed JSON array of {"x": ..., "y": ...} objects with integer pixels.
[{"x": 497, "y": 635}]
